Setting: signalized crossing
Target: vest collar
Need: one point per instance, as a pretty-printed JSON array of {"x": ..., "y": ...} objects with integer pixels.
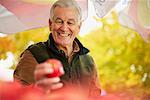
[{"x": 51, "y": 45}]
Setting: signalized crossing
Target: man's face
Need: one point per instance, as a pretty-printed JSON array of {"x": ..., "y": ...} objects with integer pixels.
[{"x": 65, "y": 25}]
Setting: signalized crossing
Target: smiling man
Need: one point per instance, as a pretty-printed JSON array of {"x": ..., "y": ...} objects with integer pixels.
[{"x": 78, "y": 66}]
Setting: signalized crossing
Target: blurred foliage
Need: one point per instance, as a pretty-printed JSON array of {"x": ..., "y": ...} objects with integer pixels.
[
  {"x": 122, "y": 57},
  {"x": 6, "y": 44},
  {"x": 18, "y": 42}
]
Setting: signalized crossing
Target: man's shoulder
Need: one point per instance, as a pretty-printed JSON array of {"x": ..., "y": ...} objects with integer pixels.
[
  {"x": 87, "y": 58},
  {"x": 39, "y": 51},
  {"x": 39, "y": 45}
]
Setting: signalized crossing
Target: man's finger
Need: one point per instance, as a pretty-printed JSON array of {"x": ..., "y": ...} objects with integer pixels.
[
  {"x": 46, "y": 82},
  {"x": 49, "y": 83},
  {"x": 42, "y": 70},
  {"x": 56, "y": 86}
]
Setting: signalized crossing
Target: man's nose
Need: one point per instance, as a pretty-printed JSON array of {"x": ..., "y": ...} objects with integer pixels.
[{"x": 64, "y": 27}]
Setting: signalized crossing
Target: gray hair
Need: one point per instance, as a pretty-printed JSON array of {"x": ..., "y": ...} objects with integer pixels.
[{"x": 66, "y": 3}]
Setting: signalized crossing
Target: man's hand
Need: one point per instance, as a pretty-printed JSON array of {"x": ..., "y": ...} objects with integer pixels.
[{"x": 40, "y": 75}]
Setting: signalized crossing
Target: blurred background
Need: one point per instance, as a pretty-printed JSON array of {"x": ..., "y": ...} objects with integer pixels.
[{"x": 122, "y": 56}]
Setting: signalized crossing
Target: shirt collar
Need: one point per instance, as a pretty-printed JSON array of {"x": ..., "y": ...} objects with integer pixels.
[{"x": 77, "y": 46}]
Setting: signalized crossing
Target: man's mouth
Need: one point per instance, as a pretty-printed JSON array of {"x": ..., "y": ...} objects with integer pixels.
[{"x": 64, "y": 34}]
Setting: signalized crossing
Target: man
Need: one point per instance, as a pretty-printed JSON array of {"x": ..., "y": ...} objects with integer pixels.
[{"x": 79, "y": 67}]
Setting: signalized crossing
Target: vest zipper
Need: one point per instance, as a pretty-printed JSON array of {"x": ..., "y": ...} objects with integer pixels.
[
  {"x": 69, "y": 67},
  {"x": 69, "y": 72},
  {"x": 66, "y": 58}
]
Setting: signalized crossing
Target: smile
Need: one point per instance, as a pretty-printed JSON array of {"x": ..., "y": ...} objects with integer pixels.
[{"x": 64, "y": 34}]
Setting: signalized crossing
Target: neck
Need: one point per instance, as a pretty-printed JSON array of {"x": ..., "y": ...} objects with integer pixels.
[{"x": 67, "y": 49}]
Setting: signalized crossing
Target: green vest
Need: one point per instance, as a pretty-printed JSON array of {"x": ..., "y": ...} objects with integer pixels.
[{"x": 81, "y": 69}]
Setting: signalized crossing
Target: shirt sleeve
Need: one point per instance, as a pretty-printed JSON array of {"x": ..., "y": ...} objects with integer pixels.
[{"x": 24, "y": 71}]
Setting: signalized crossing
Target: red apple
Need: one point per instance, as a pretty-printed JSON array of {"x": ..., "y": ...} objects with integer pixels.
[{"x": 57, "y": 68}]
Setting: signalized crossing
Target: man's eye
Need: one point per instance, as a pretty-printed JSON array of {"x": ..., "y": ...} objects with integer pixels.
[
  {"x": 70, "y": 23},
  {"x": 58, "y": 21}
]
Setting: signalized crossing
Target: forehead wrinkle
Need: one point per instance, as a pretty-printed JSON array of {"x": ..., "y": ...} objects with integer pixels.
[
  {"x": 71, "y": 19},
  {"x": 70, "y": 13}
]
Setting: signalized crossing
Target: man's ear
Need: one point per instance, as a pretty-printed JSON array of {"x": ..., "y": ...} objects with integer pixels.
[
  {"x": 50, "y": 23},
  {"x": 80, "y": 24}
]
